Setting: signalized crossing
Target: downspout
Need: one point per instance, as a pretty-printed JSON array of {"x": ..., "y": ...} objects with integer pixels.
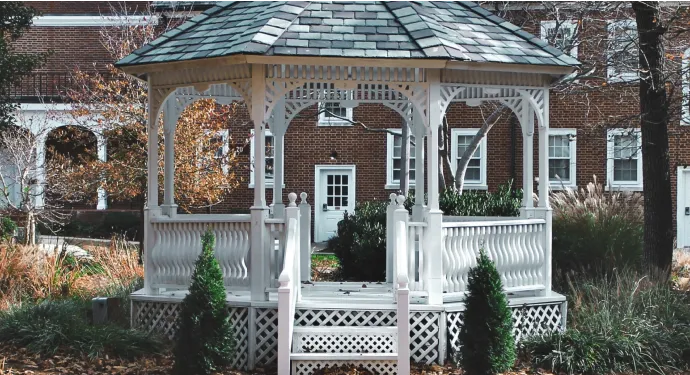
[{"x": 513, "y": 148}]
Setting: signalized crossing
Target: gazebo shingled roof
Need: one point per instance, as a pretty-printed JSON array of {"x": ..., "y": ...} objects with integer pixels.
[{"x": 461, "y": 31}]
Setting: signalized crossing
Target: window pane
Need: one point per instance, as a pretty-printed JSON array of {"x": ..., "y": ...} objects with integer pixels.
[
  {"x": 625, "y": 170},
  {"x": 396, "y": 162},
  {"x": 269, "y": 168},
  {"x": 473, "y": 174},
  {"x": 559, "y": 169}
]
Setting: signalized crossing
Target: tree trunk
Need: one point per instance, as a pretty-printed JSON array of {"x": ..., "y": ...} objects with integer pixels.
[{"x": 656, "y": 178}]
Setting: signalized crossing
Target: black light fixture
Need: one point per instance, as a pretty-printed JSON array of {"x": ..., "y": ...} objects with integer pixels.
[{"x": 334, "y": 155}]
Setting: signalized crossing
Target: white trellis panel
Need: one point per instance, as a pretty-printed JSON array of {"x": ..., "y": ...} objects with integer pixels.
[
  {"x": 345, "y": 340},
  {"x": 266, "y": 347},
  {"x": 343, "y": 317},
  {"x": 424, "y": 336},
  {"x": 527, "y": 320}
]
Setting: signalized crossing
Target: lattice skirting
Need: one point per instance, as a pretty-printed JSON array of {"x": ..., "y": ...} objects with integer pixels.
[
  {"x": 527, "y": 320},
  {"x": 377, "y": 367},
  {"x": 160, "y": 317}
]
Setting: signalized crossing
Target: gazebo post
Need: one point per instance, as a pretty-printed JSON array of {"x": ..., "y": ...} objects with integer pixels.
[
  {"x": 102, "y": 147},
  {"x": 527, "y": 123},
  {"x": 434, "y": 216},
  {"x": 419, "y": 134},
  {"x": 279, "y": 127},
  {"x": 170, "y": 116},
  {"x": 544, "y": 205},
  {"x": 258, "y": 261}
]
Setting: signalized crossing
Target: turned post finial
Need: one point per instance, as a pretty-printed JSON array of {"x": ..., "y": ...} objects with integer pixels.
[
  {"x": 303, "y": 196},
  {"x": 400, "y": 199},
  {"x": 392, "y": 198},
  {"x": 292, "y": 197}
]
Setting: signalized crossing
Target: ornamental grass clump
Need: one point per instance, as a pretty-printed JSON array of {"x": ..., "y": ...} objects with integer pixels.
[
  {"x": 204, "y": 342},
  {"x": 486, "y": 334}
]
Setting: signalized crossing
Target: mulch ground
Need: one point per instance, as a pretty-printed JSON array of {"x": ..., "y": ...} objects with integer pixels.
[{"x": 19, "y": 361}]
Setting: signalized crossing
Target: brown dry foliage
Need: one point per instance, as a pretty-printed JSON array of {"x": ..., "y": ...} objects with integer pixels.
[{"x": 28, "y": 273}]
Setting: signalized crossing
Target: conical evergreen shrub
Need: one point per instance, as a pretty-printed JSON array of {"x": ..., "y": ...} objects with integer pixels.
[
  {"x": 486, "y": 334},
  {"x": 204, "y": 341}
]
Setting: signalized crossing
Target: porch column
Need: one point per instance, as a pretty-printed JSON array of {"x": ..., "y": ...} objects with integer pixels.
[
  {"x": 278, "y": 129},
  {"x": 527, "y": 123},
  {"x": 151, "y": 209},
  {"x": 259, "y": 261},
  {"x": 434, "y": 232},
  {"x": 419, "y": 133},
  {"x": 102, "y": 156},
  {"x": 544, "y": 210},
  {"x": 170, "y": 115}
]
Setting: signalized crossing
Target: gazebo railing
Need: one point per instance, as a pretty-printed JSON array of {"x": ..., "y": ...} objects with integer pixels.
[
  {"x": 517, "y": 246},
  {"x": 177, "y": 245}
]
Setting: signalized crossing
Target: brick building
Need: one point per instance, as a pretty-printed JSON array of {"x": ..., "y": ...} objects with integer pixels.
[{"x": 314, "y": 142}]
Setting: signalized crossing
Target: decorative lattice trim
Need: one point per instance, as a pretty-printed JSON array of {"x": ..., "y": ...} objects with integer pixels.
[
  {"x": 377, "y": 367},
  {"x": 348, "y": 340},
  {"x": 161, "y": 317},
  {"x": 345, "y": 318},
  {"x": 527, "y": 320},
  {"x": 424, "y": 336},
  {"x": 266, "y": 336}
]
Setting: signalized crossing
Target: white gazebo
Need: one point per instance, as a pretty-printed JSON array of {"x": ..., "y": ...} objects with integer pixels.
[{"x": 416, "y": 58}]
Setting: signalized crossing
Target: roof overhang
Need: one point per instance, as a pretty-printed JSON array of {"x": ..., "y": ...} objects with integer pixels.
[{"x": 141, "y": 71}]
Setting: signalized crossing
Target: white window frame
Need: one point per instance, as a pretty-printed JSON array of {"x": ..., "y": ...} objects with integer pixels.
[
  {"x": 569, "y": 24},
  {"x": 685, "y": 72},
  {"x": 225, "y": 139},
  {"x": 572, "y": 137},
  {"x": 471, "y": 185},
  {"x": 328, "y": 121},
  {"x": 622, "y": 185},
  {"x": 611, "y": 75},
  {"x": 390, "y": 183},
  {"x": 267, "y": 183}
]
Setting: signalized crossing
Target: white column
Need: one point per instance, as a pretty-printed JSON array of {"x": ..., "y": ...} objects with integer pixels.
[
  {"x": 152, "y": 209},
  {"x": 39, "y": 189},
  {"x": 419, "y": 134},
  {"x": 170, "y": 116},
  {"x": 278, "y": 129},
  {"x": 544, "y": 206},
  {"x": 433, "y": 240},
  {"x": 103, "y": 157},
  {"x": 527, "y": 123},
  {"x": 305, "y": 237},
  {"x": 390, "y": 238},
  {"x": 259, "y": 260}
]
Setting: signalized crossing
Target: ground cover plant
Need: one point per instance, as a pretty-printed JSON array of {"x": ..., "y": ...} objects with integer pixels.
[{"x": 618, "y": 322}]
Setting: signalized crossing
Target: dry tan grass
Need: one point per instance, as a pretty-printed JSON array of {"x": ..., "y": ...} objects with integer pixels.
[
  {"x": 28, "y": 273},
  {"x": 681, "y": 269}
]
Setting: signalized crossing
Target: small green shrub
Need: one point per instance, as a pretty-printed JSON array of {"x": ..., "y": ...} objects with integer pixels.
[
  {"x": 505, "y": 201},
  {"x": 63, "y": 325},
  {"x": 204, "y": 341},
  {"x": 360, "y": 243},
  {"x": 7, "y": 228},
  {"x": 618, "y": 323},
  {"x": 486, "y": 333},
  {"x": 596, "y": 231}
]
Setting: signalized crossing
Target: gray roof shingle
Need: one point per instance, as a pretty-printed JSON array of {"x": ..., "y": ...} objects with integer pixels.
[{"x": 461, "y": 31}]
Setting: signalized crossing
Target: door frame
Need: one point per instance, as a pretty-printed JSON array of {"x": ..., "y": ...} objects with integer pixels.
[
  {"x": 317, "y": 189},
  {"x": 681, "y": 218}
]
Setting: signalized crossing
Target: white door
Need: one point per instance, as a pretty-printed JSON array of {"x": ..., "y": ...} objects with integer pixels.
[
  {"x": 683, "y": 216},
  {"x": 335, "y": 194}
]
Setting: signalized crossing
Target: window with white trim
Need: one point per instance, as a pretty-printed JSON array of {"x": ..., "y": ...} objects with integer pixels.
[
  {"x": 475, "y": 175},
  {"x": 220, "y": 142},
  {"x": 334, "y": 114},
  {"x": 395, "y": 159},
  {"x": 624, "y": 159},
  {"x": 622, "y": 51},
  {"x": 561, "y": 34},
  {"x": 562, "y": 158},
  {"x": 270, "y": 158}
]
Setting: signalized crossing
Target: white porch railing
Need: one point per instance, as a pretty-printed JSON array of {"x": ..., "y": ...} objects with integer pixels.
[
  {"x": 177, "y": 245},
  {"x": 517, "y": 246},
  {"x": 276, "y": 248},
  {"x": 402, "y": 296},
  {"x": 416, "y": 256},
  {"x": 289, "y": 292}
]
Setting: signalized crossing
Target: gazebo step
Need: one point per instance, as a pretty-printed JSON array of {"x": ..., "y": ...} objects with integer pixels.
[
  {"x": 345, "y": 340},
  {"x": 378, "y": 363}
]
